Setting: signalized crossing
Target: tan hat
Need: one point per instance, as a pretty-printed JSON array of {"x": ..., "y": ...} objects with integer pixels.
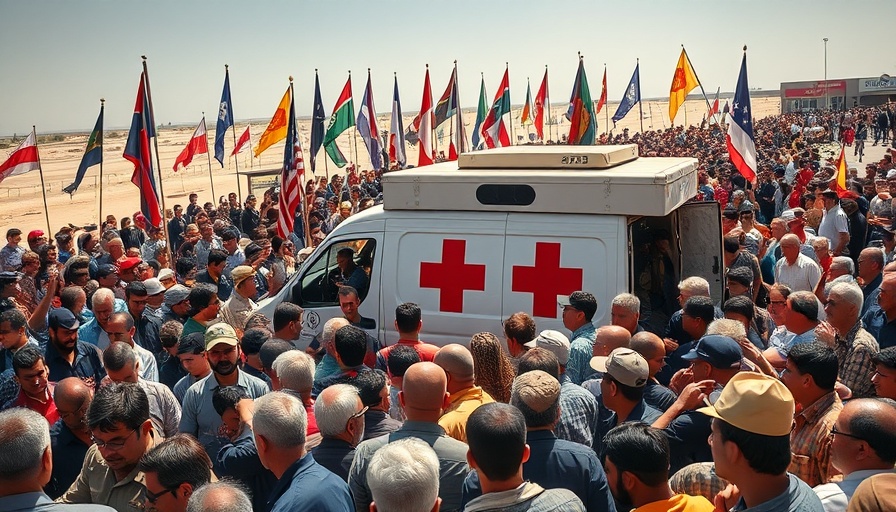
[
  {"x": 166, "y": 273},
  {"x": 755, "y": 403},
  {"x": 537, "y": 389},
  {"x": 624, "y": 365},
  {"x": 241, "y": 273},
  {"x": 220, "y": 333},
  {"x": 556, "y": 342}
]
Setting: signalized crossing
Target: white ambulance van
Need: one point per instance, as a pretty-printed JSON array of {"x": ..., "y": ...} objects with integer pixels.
[{"x": 512, "y": 229}]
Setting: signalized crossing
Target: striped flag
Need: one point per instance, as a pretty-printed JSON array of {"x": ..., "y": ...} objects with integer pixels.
[
  {"x": 494, "y": 131},
  {"x": 136, "y": 150},
  {"x": 198, "y": 145},
  {"x": 396, "y": 131},
  {"x": 526, "y": 114},
  {"x": 25, "y": 158},
  {"x": 241, "y": 142},
  {"x": 369, "y": 128},
  {"x": 740, "y": 142},
  {"x": 839, "y": 182},
  {"x": 292, "y": 175}
]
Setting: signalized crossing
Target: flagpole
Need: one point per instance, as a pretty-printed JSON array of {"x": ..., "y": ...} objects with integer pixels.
[
  {"x": 702, "y": 90},
  {"x": 155, "y": 142},
  {"x": 209, "y": 155},
  {"x": 354, "y": 136},
  {"x": 43, "y": 186},
  {"x": 641, "y": 103},
  {"x": 102, "y": 104},
  {"x": 547, "y": 106},
  {"x": 606, "y": 109},
  {"x": 510, "y": 107},
  {"x": 461, "y": 133}
]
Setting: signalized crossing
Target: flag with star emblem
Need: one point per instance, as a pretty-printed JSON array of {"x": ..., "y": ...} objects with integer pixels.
[
  {"x": 291, "y": 176},
  {"x": 741, "y": 145},
  {"x": 225, "y": 118},
  {"x": 93, "y": 154}
]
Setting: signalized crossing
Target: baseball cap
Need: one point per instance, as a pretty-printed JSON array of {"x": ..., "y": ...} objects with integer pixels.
[
  {"x": 166, "y": 273},
  {"x": 106, "y": 269},
  {"x": 537, "y": 389},
  {"x": 583, "y": 301},
  {"x": 34, "y": 235},
  {"x": 553, "y": 341},
  {"x": 756, "y": 403},
  {"x": 176, "y": 294},
  {"x": 153, "y": 286},
  {"x": 891, "y": 174},
  {"x": 625, "y": 366},
  {"x": 241, "y": 273},
  {"x": 193, "y": 343},
  {"x": 129, "y": 263},
  {"x": 719, "y": 351},
  {"x": 62, "y": 317},
  {"x": 9, "y": 276},
  {"x": 220, "y": 333},
  {"x": 791, "y": 214}
]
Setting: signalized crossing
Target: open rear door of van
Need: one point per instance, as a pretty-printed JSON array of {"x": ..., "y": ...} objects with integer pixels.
[{"x": 700, "y": 244}]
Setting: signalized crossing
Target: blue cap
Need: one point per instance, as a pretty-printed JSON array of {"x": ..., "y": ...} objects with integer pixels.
[
  {"x": 719, "y": 351},
  {"x": 10, "y": 276},
  {"x": 62, "y": 317}
]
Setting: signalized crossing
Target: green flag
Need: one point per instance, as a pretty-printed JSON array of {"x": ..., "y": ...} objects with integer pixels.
[
  {"x": 342, "y": 119},
  {"x": 481, "y": 111}
]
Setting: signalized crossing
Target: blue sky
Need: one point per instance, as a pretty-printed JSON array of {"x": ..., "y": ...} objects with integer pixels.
[{"x": 60, "y": 57}]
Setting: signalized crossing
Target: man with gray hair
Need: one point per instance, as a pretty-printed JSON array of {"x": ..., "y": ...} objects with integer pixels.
[
  {"x": 340, "y": 418},
  {"x": 625, "y": 311},
  {"x": 855, "y": 347},
  {"x": 676, "y": 338},
  {"x": 279, "y": 425},
  {"x": 26, "y": 464},
  {"x": 404, "y": 477},
  {"x": 219, "y": 497},
  {"x": 293, "y": 374},
  {"x": 794, "y": 269},
  {"x": 328, "y": 365},
  {"x": 103, "y": 303},
  {"x": 121, "y": 328}
]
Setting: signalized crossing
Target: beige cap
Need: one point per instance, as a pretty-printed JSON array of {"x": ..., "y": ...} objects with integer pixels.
[
  {"x": 755, "y": 403},
  {"x": 556, "y": 342},
  {"x": 537, "y": 389},
  {"x": 241, "y": 273},
  {"x": 624, "y": 365},
  {"x": 220, "y": 333},
  {"x": 166, "y": 273}
]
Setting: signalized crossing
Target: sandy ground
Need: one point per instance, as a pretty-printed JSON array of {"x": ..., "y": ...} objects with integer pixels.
[{"x": 21, "y": 202}]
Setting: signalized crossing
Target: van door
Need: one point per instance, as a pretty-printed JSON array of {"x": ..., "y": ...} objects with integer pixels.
[
  {"x": 448, "y": 263},
  {"x": 699, "y": 228},
  {"x": 548, "y": 256}
]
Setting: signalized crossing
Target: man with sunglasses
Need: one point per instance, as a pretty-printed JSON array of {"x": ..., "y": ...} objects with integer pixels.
[
  {"x": 122, "y": 433},
  {"x": 173, "y": 470}
]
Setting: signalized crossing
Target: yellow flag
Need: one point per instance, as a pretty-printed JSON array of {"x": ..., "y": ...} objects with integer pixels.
[
  {"x": 683, "y": 82},
  {"x": 276, "y": 130}
]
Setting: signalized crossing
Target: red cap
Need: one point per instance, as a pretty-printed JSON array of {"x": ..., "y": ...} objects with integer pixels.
[
  {"x": 37, "y": 233},
  {"x": 129, "y": 263}
]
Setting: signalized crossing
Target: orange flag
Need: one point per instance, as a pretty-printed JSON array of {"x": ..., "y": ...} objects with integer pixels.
[
  {"x": 683, "y": 82},
  {"x": 276, "y": 130}
]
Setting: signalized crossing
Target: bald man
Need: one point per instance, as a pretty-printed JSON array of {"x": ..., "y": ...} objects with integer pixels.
[
  {"x": 607, "y": 339},
  {"x": 863, "y": 445},
  {"x": 652, "y": 348},
  {"x": 424, "y": 396},
  {"x": 464, "y": 395},
  {"x": 69, "y": 437}
]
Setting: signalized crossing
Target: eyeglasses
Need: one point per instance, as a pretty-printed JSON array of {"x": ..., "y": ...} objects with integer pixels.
[
  {"x": 153, "y": 498},
  {"x": 114, "y": 445},
  {"x": 778, "y": 302},
  {"x": 358, "y": 414},
  {"x": 834, "y": 432}
]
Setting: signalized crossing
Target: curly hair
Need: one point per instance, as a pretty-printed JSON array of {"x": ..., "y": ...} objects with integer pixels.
[{"x": 494, "y": 371}]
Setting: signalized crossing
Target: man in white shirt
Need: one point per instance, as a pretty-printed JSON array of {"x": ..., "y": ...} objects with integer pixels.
[
  {"x": 834, "y": 223},
  {"x": 794, "y": 269}
]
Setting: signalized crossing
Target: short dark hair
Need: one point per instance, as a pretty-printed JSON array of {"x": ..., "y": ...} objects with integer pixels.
[
  {"x": 170, "y": 333},
  {"x": 201, "y": 296},
  {"x": 539, "y": 359},
  {"x": 177, "y": 460},
  {"x": 731, "y": 244},
  {"x": 271, "y": 350},
  {"x": 886, "y": 357},
  {"x": 407, "y": 317},
  {"x": 630, "y": 393},
  {"x": 284, "y": 313},
  {"x": 13, "y": 232},
  {"x": 769, "y": 455},
  {"x": 184, "y": 265},
  {"x": 253, "y": 339},
  {"x": 217, "y": 256},
  {"x": 69, "y": 295},
  {"x": 641, "y": 450},
  {"x": 135, "y": 288},
  {"x": 118, "y": 355},
  {"x": 401, "y": 357},
  {"x": 819, "y": 361},
  {"x": 740, "y": 305},
  {"x": 804, "y": 303},
  {"x": 351, "y": 345},
  {"x": 700, "y": 307},
  {"x": 370, "y": 385},
  {"x": 128, "y": 319},
  {"x": 880, "y": 437},
  {"x": 26, "y": 357},
  {"x": 15, "y": 317},
  {"x": 345, "y": 291},
  {"x": 115, "y": 403},
  {"x": 521, "y": 327},
  {"x": 226, "y": 397},
  {"x": 496, "y": 434}
]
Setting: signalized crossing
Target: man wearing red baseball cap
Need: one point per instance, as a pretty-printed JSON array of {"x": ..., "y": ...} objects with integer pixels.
[{"x": 36, "y": 239}]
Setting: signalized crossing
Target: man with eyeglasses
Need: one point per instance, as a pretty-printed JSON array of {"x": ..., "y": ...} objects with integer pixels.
[
  {"x": 122, "y": 433},
  {"x": 340, "y": 418},
  {"x": 173, "y": 470},
  {"x": 884, "y": 376},
  {"x": 863, "y": 444},
  {"x": 69, "y": 437}
]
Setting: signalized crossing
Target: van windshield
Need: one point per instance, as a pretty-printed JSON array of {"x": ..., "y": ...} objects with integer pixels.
[{"x": 343, "y": 263}]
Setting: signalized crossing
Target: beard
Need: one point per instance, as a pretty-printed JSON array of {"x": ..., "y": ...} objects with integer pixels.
[
  {"x": 622, "y": 496},
  {"x": 224, "y": 367}
]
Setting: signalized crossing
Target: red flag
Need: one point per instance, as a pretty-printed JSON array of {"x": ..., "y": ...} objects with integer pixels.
[
  {"x": 240, "y": 144},
  {"x": 541, "y": 103},
  {"x": 426, "y": 125},
  {"x": 603, "y": 93},
  {"x": 198, "y": 145},
  {"x": 714, "y": 109},
  {"x": 22, "y": 160},
  {"x": 136, "y": 150}
]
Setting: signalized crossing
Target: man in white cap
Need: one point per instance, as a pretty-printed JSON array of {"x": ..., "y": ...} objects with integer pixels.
[
  {"x": 199, "y": 417},
  {"x": 167, "y": 277},
  {"x": 240, "y": 306},
  {"x": 155, "y": 296},
  {"x": 750, "y": 443}
]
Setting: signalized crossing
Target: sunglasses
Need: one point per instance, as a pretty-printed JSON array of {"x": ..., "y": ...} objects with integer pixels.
[{"x": 153, "y": 498}]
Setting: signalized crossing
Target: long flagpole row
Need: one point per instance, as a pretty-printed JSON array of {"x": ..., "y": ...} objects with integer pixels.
[
  {"x": 43, "y": 186},
  {"x": 155, "y": 142}
]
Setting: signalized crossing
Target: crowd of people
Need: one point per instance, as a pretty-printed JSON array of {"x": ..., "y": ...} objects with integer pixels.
[{"x": 136, "y": 372}]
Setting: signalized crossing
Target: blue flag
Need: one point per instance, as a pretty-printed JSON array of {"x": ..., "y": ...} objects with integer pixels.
[
  {"x": 317, "y": 123},
  {"x": 93, "y": 154},
  {"x": 225, "y": 119},
  {"x": 631, "y": 98}
]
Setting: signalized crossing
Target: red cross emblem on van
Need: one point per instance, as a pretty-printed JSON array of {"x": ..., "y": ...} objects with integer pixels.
[
  {"x": 546, "y": 279},
  {"x": 452, "y": 276}
]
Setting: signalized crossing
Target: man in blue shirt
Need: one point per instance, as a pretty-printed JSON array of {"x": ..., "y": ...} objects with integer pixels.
[
  {"x": 880, "y": 320},
  {"x": 66, "y": 356},
  {"x": 578, "y": 310},
  {"x": 279, "y": 425}
]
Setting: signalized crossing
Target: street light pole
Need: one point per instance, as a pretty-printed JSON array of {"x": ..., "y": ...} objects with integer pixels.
[{"x": 827, "y": 99}]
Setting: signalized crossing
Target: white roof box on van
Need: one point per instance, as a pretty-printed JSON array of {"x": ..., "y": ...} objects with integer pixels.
[{"x": 608, "y": 180}]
